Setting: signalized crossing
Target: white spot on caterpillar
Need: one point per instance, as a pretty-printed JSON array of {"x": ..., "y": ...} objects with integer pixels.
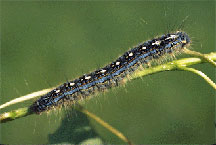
[
  {"x": 131, "y": 54},
  {"x": 144, "y": 47},
  {"x": 156, "y": 43},
  {"x": 171, "y": 37},
  {"x": 57, "y": 91},
  {"x": 117, "y": 63},
  {"x": 103, "y": 71},
  {"x": 87, "y": 77},
  {"x": 71, "y": 84},
  {"x": 184, "y": 41}
]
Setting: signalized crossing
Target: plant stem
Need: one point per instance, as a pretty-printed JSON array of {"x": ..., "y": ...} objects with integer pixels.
[
  {"x": 201, "y": 74},
  {"x": 180, "y": 64},
  {"x": 203, "y": 56},
  {"x": 104, "y": 124},
  {"x": 12, "y": 115}
]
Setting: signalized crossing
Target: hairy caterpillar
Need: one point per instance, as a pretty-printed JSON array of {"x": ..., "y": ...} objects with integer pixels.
[{"x": 112, "y": 74}]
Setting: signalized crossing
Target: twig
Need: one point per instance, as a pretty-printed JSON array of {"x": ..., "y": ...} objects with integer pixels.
[
  {"x": 22, "y": 112},
  {"x": 163, "y": 67},
  {"x": 201, "y": 74},
  {"x": 104, "y": 124},
  {"x": 198, "y": 54},
  {"x": 18, "y": 113},
  {"x": 26, "y": 97},
  {"x": 180, "y": 64},
  {"x": 173, "y": 65}
]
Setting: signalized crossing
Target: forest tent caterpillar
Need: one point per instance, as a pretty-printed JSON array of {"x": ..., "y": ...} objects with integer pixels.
[{"x": 112, "y": 74}]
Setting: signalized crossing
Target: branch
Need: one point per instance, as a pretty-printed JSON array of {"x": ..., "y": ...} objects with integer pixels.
[
  {"x": 9, "y": 116},
  {"x": 174, "y": 65},
  {"x": 203, "y": 56},
  {"x": 104, "y": 124},
  {"x": 180, "y": 64},
  {"x": 26, "y": 97},
  {"x": 201, "y": 74}
]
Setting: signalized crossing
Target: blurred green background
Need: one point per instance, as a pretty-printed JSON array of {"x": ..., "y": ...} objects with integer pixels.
[{"x": 45, "y": 43}]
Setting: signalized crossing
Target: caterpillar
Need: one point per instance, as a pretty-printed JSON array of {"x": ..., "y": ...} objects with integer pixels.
[{"x": 112, "y": 74}]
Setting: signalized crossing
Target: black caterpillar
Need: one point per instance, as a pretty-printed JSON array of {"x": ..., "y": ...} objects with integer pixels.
[{"x": 112, "y": 74}]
